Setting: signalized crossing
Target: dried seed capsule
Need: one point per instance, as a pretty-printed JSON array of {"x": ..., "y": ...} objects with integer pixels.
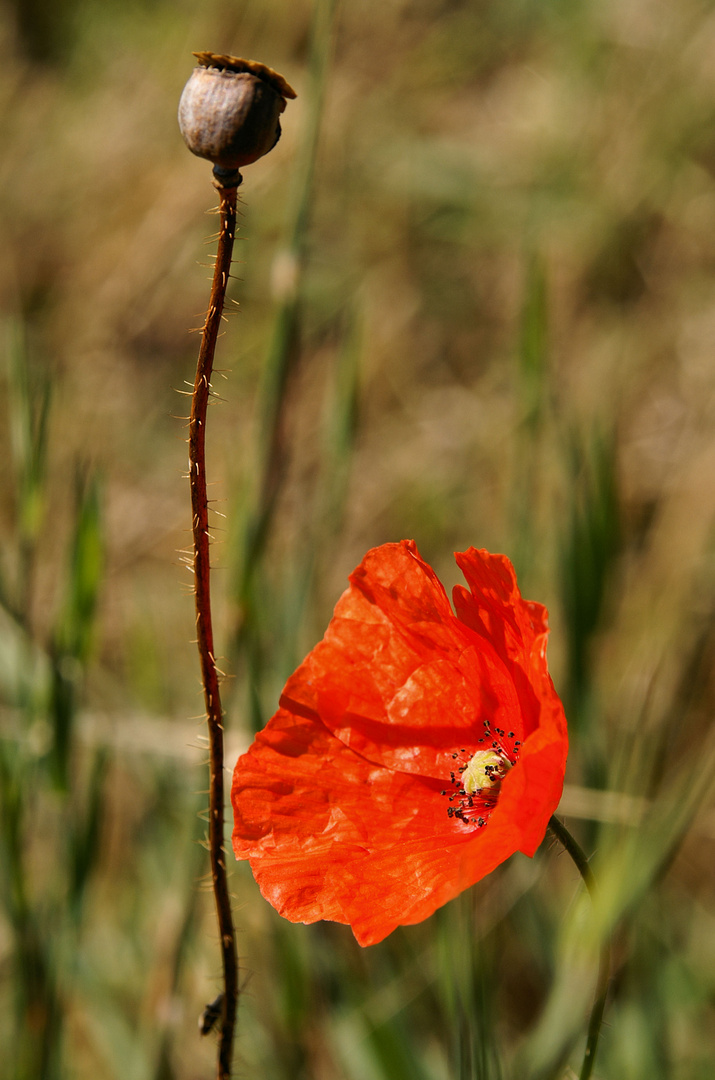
[{"x": 229, "y": 110}]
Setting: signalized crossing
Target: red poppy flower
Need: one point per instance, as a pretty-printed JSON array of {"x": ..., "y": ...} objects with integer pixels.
[{"x": 413, "y": 751}]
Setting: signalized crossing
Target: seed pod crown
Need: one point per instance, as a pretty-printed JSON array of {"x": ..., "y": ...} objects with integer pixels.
[{"x": 229, "y": 110}]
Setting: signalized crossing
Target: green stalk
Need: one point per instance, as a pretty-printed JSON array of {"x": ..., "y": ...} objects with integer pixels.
[
  {"x": 559, "y": 830},
  {"x": 282, "y": 360}
]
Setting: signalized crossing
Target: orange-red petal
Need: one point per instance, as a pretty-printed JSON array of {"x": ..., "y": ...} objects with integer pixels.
[
  {"x": 330, "y": 835},
  {"x": 338, "y": 803},
  {"x": 398, "y": 677}
]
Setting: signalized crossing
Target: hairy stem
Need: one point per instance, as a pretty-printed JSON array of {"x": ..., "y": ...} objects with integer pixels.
[
  {"x": 204, "y": 629},
  {"x": 578, "y": 856}
]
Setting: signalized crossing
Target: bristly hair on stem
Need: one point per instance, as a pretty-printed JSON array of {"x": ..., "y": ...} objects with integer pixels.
[
  {"x": 226, "y": 182},
  {"x": 229, "y": 114}
]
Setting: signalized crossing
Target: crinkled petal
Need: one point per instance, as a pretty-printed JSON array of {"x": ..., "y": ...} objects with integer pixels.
[
  {"x": 330, "y": 835},
  {"x": 397, "y": 676},
  {"x": 339, "y": 803},
  {"x": 516, "y": 628}
]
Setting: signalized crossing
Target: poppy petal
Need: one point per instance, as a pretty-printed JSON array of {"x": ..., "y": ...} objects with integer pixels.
[
  {"x": 321, "y": 827},
  {"x": 517, "y": 629},
  {"x": 345, "y": 803},
  {"x": 397, "y": 676}
]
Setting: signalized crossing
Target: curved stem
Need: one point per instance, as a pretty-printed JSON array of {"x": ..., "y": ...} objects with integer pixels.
[
  {"x": 204, "y": 628},
  {"x": 578, "y": 856},
  {"x": 576, "y": 852}
]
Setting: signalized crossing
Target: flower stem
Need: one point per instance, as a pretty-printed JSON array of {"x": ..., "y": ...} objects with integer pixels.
[
  {"x": 204, "y": 628},
  {"x": 578, "y": 856}
]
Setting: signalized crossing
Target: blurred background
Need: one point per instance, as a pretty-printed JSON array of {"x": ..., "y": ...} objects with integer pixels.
[{"x": 476, "y": 281}]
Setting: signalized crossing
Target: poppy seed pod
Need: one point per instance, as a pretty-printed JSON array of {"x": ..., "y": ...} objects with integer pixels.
[{"x": 229, "y": 110}]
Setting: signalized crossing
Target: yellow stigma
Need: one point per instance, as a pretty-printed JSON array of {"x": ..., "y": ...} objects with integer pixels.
[{"x": 486, "y": 770}]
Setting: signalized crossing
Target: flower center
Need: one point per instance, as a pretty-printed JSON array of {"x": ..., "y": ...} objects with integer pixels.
[
  {"x": 477, "y": 781},
  {"x": 485, "y": 771}
]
